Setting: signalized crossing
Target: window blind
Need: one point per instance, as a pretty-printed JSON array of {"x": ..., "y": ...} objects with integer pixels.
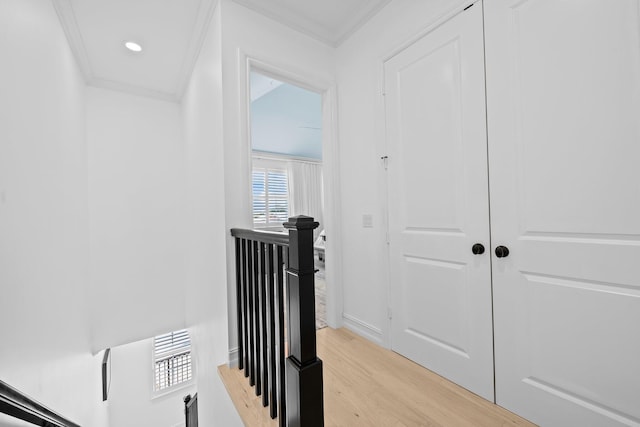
[
  {"x": 270, "y": 196},
  {"x": 172, "y": 359}
]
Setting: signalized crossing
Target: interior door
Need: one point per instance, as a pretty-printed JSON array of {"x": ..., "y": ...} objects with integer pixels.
[
  {"x": 563, "y": 93},
  {"x": 438, "y": 203}
]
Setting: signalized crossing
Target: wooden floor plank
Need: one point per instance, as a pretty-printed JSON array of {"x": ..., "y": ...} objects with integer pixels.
[
  {"x": 366, "y": 385},
  {"x": 244, "y": 398}
]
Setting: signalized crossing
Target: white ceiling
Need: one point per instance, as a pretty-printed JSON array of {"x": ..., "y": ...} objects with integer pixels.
[
  {"x": 260, "y": 85},
  {"x": 330, "y": 21},
  {"x": 171, "y": 33}
]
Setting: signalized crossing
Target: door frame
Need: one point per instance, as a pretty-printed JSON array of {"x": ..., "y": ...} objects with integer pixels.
[{"x": 306, "y": 79}]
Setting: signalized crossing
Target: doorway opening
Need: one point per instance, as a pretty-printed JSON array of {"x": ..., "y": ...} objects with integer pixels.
[{"x": 287, "y": 169}]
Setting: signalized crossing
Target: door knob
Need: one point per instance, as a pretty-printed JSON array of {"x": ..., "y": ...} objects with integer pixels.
[
  {"x": 477, "y": 249},
  {"x": 502, "y": 251}
]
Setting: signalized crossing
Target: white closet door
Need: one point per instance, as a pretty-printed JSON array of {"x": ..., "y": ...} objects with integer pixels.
[
  {"x": 563, "y": 93},
  {"x": 438, "y": 203}
]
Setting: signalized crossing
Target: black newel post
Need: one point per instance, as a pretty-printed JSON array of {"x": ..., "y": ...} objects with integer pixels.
[
  {"x": 186, "y": 400},
  {"x": 191, "y": 410},
  {"x": 305, "y": 405}
]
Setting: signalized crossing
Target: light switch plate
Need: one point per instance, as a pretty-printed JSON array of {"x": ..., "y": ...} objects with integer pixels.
[{"x": 367, "y": 221}]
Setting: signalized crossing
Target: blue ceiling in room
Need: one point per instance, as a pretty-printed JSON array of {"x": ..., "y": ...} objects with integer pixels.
[{"x": 286, "y": 120}]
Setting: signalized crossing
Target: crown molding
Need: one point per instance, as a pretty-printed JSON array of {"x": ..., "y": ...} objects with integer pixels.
[
  {"x": 198, "y": 37},
  {"x": 67, "y": 18},
  {"x": 312, "y": 29},
  {"x": 133, "y": 90},
  {"x": 358, "y": 23},
  {"x": 299, "y": 24}
]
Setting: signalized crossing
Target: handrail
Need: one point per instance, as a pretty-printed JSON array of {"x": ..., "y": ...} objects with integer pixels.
[
  {"x": 272, "y": 237},
  {"x": 18, "y": 405}
]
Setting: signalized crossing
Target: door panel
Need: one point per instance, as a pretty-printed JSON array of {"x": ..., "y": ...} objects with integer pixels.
[
  {"x": 563, "y": 96},
  {"x": 418, "y": 85},
  {"x": 438, "y": 203},
  {"x": 439, "y": 321}
]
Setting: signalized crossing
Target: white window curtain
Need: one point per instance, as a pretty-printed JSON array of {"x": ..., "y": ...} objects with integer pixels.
[{"x": 306, "y": 192}]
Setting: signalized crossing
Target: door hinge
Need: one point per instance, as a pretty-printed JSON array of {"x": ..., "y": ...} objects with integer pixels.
[
  {"x": 389, "y": 313},
  {"x": 385, "y": 161}
]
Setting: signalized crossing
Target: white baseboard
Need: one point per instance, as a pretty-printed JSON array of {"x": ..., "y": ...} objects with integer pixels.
[
  {"x": 233, "y": 357},
  {"x": 352, "y": 323},
  {"x": 363, "y": 329}
]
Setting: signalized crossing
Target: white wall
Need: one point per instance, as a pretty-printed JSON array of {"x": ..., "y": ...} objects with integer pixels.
[
  {"x": 206, "y": 266},
  {"x": 131, "y": 398},
  {"x": 361, "y": 132},
  {"x": 70, "y": 385},
  {"x": 246, "y": 33},
  {"x": 159, "y": 172},
  {"x": 45, "y": 345},
  {"x": 7, "y": 421},
  {"x": 137, "y": 216}
]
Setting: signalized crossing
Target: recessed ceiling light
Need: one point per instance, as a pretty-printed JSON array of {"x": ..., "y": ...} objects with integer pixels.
[{"x": 133, "y": 46}]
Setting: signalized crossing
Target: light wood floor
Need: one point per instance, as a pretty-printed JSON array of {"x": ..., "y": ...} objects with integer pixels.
[{"x": 366, "y": 385}]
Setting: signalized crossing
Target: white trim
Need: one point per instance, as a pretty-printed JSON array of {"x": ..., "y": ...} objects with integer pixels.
[
  {"x": 330, "y": 155},
  {"x": 363, "y": 329},
  {"x": 234, "y": 360},
  {"x": 174, "y": 388},
  {"x": 383, "y": 184},
  {"x": 363, "y": 20},
  {"x": 457, "y": 7},
  {"x": 302, "y": 27},
  {"x": 270, "y": 162},
  {"x": 312, "y": 29},
  {"x": 132, "y": 89},
  {"x": 69, "y": 23},
  {"x": 313, "y": 83},
  {"x": 183, "y": 384},
  {"x": 332, "y": 206},
  {"x": 67, "y": 18},
  {"x": 266, "y": 155},
  {"x": 198, "y": 37}
]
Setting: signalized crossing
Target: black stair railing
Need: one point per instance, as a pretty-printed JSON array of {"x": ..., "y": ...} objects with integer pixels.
[
  {"x": 291, "y": 386},
  {"x": 191, "y": 410},
  {"x": 18, "y": 405}
]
